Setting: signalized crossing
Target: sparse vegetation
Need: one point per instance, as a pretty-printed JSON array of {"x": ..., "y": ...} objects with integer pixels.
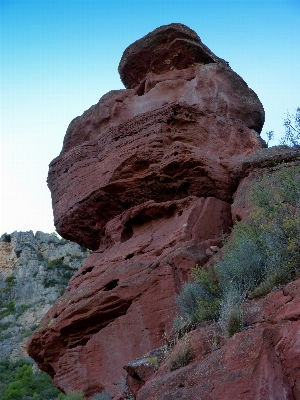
[
  {"x": 22, "y": 308},
  {"x": 10, "y": 283},
  {"x": 50, "y": 282},
  {"x": 102, "y": 396},
  {"x": 291, "y": 124},
  {"x": 260, "y": 255},
  {"x": 182, "y": 354}
]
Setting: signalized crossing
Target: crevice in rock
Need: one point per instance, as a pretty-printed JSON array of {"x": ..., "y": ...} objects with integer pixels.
[
  {"x": 111, "y": 285},
  {"x": 131, "y": 255},
  {"x": 80, "y": 332},
  {"x": 89, "y": 269},
  {"x": 127, "y": 232}
]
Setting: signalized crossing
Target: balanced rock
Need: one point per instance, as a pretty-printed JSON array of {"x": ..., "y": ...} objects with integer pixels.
[
  {"x": 145, "y": 179},
  {"x": 183, "y": 137}
]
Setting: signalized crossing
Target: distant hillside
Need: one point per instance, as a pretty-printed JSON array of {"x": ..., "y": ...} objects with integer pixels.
[{"x": 34, "y": 271}]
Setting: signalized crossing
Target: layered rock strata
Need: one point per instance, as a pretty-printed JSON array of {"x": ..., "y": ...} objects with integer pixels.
[
  {"x": 182, "y": 137},
  {"x": 145, "y": 179}
]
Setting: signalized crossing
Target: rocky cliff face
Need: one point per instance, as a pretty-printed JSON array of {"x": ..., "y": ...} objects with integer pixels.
[
  {"x": 146, "y": 179},
  {"x": 34, "y": 271}
]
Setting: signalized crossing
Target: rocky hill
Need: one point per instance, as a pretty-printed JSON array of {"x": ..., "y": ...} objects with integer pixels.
[
  {"x": 151, "y": 179},
  {"x": 34, "y": 272}
]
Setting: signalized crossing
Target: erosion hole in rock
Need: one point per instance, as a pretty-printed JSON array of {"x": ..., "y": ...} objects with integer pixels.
[
  {"x": 135, "y": 376},
  {"x": 127, "y": 232},
  {"x": 90, "y": 269},
  {"x": 129, "y": 256},
  {"x": 111, "y": 285}
]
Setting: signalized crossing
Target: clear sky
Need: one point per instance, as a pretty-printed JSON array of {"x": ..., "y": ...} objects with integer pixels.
[{"x": 58, "y": 57}]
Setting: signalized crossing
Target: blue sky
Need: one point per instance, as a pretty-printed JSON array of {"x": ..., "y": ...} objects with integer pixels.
[{"x": 58, "y": 57}]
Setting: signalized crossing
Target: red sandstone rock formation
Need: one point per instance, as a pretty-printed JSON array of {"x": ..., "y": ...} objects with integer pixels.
[
  {"x": 145, "y": 178},
  {"x": 259, "y": 363},
  {"x": 183, "y": 136}
]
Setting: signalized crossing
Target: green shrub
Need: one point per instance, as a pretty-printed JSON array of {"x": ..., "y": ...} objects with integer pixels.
[
  {"x": 50, "y": 282},
  {"x": 10, "y": 283},
  {"x": 199, "y": 300},
  {"x": 4, "y": 326},
  {"x": 11, "y": 307},
  {"x": 208, "y": 306},
  {"x": 56, "y": 264},
  {"x": 260, "y": 255},
  {"x": 17, "y": 381}
]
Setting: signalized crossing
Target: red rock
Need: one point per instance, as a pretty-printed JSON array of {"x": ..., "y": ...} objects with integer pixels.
[
  {"x": 145, "y": 178},
  {"x": 183, "y": 137},
  {"x": 259, "y": 363},
  {"x": 122, "y": 301},
  {"x": 167, "y": 48}
]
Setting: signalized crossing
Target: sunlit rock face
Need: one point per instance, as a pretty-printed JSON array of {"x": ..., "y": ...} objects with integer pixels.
[
  {"x": 182, "y": 135},
  {"x": 145, "y": 179}
]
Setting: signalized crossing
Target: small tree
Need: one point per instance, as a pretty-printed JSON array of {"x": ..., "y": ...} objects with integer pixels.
[
  {"x": 270, "y": 136},
  {"x": 291, "y": 125}
]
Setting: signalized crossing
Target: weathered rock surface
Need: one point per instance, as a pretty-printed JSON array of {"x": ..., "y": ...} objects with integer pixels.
[
  {"x": 167, "y": 48},
  {"x": 145, "y": 178},
  {"x": 125, "y": 293},
  {"x": 184, "y": 136},
  {"x": 259, "y": 363},
  {"x": 34, "y": 269}
]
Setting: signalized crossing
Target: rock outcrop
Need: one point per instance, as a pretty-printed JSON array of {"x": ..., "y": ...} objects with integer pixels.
[
  {"x": 183, "y": 136},
  {"x": 259, "y": 363},
  {"x": 34, "y": 270},
  {"x": 145, "y": 178}
]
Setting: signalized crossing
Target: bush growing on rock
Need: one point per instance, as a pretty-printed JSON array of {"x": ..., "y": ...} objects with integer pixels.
[
  {"x": 182, "y": 354},
  {"x": 291, "y": 124},
  {"x": 260, "y": 255},
  {"x": 199, "y": 300}
]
